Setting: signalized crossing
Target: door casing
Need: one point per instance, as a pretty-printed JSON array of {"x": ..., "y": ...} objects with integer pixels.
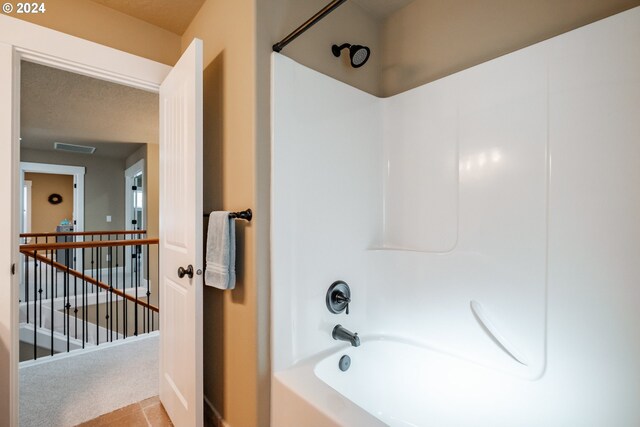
[{"x": 23, "y": 41}]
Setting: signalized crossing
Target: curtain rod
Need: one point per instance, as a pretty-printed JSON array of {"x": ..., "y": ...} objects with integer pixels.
[{"x": 304, "y": 27}]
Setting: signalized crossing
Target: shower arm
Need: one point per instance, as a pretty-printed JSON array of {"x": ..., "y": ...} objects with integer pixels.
[{"x": 310, "y": 23}]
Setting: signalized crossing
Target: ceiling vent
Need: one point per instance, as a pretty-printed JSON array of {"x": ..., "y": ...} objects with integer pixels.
[{"x": 72, "y": 148}]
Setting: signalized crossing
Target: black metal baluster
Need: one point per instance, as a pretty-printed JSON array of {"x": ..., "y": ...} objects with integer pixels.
[
  {"x": 35, "y": 301},
  {"x": 117, "y": 302},
  {"x": 134, "y": 265},
  {"x": 26, "y": 283},
  {"x": 147, "y": 259},
  {"x": 140, "y": 279},
  {"x": 46, "y": 290},
  {"x": 84, "y": 300},
  {"x": 75, "y": 303},
  {"x": 125, "y": 314},
  {"x": 93, "y": 269},
  {"x": 98, "y": 256},
  {"x": 45, "y": 286},
  {"x": 75, "y": 291},
  {"x": 52, "y": 303},
  {"x": 67, "y": 294},
  {"x": 54, "y": 276},
  {"x": 110, "y": 315}
]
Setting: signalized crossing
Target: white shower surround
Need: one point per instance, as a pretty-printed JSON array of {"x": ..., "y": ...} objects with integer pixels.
[{"x": 443, "y": 194}]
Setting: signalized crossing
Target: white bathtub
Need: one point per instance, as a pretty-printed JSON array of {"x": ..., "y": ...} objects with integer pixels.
[{"x": 392, "y": 382}]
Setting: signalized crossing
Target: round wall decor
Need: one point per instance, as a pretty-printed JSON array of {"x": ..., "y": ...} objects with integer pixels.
[{"x": 55, "y": 199}]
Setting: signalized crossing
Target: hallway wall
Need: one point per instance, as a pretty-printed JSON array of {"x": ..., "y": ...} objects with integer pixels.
[{"x": 103, "y": 185}]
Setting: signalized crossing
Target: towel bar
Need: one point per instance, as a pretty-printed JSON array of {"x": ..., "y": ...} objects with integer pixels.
[{"x": 246, "y": 215}]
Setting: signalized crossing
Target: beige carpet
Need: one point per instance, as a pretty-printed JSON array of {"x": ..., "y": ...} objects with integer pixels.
[{"x": 68, "y": 391}]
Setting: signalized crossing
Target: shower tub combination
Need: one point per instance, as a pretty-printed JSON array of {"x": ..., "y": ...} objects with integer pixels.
[{"x": 487, "y": 288}]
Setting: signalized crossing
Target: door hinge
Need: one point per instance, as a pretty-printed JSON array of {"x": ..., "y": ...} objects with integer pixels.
[
  {"x": 13, "y": 268},
  {"x": 134, "y": 188},
  {"x": 75, "y": 185}
]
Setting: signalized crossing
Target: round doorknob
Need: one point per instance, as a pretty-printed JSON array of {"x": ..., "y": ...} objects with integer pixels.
[{"x": 186, "y": 272}]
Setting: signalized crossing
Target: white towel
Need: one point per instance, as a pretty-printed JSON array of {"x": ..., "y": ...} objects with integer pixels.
[{"x": 221, "y": 251}]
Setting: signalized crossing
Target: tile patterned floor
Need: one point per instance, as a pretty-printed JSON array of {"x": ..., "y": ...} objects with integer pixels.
[{"x": 148, "y": 413}]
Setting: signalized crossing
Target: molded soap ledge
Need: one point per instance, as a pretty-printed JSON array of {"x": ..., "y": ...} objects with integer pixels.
[{"x": 406, "y": 249}]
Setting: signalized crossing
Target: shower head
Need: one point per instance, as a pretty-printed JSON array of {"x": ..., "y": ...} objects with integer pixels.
[{"x": 358, "y": 54}]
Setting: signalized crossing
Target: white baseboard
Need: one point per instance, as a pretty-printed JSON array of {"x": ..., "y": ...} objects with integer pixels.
[{"x": 92, "y": 348}]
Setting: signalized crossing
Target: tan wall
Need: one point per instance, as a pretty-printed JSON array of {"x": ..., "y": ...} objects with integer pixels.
[
  {"x": 103, "y": 185},
  {"x": 430, "y": 39},
  {"x": 234, "y": 377},
  {"x": 237, "y": 42},
  {"x": 100, "y": 24},
  {"x": 45, "y": 216}
]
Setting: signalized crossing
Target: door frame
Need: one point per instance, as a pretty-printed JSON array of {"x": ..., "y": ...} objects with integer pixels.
[
  {"x": 24, "y": 41},
  {"x": 78, "y": 185},
  {"x": 129, "y": 174}
]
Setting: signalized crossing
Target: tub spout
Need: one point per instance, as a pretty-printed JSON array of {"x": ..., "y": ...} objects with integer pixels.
[{"x": 343, "y": 334}]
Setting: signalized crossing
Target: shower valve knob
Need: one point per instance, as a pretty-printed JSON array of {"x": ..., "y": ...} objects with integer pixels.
[
  {"x": 341, "y": 298},
  {"x": 338, "y": 297}
]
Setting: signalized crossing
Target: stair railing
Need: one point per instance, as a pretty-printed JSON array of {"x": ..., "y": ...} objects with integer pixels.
[{"x": 81, "y": 289}]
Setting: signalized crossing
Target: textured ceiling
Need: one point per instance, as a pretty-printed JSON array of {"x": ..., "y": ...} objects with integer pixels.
[
  {"x": 58, "y": 106},
  {"x": 382, "y": 8},
  {"x": 172, "y": 15}
]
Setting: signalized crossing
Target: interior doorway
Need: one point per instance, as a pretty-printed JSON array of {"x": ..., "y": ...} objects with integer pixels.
[
  {"x": 135, "y": 212},
  {"x": 21, "y": 41},
  {"x": 87, "y": 144},
  {"x": 60, "y": 182}
]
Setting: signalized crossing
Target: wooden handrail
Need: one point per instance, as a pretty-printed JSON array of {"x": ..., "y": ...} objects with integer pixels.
[
  {"x": 94, "y": 244},
  {"x": 83, "y": 233},
  {"x": 87, "y": 279}
]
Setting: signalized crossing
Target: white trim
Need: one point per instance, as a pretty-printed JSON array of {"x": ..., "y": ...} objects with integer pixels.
[
  {"x": 78, "y": 180},
  {"x": 48, "y": 47},
  {"x": 21, "y": 40},
  {"x": 28, "y": 331},
  {"x": 26, "y": 206},
  {"x": 11, "y": 187},
  {"x": 52, "y": 169},
  {"x": 87, "y": 349},
  {"x": 129, "y": 174}
]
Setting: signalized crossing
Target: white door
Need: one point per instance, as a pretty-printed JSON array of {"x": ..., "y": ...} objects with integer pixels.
[{"x": 181, "y": 240}]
